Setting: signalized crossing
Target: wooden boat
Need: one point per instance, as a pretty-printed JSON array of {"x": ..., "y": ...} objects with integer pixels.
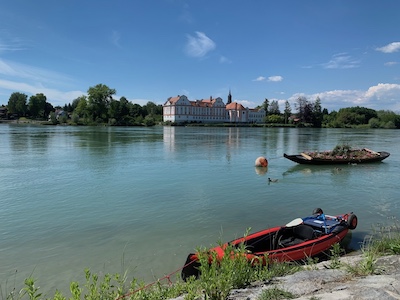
[
  {"x": 329, "y": 158},
  {"x": 299, "y": 239}
]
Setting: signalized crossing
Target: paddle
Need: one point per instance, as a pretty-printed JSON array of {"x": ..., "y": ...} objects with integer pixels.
[{"x": 294, "y": 222}]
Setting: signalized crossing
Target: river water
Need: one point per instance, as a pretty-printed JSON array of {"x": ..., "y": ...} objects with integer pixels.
[{"x": 140, "y": 199}]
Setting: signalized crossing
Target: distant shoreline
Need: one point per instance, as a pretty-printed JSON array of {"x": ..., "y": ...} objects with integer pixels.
[{"x": 227, "y": 125}]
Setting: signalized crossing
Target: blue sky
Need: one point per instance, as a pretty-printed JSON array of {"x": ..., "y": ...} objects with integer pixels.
[{"x": 345, "y": 52}]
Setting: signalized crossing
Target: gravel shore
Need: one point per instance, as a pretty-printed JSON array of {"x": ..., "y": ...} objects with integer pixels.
[{"x": 332, "y": 284}]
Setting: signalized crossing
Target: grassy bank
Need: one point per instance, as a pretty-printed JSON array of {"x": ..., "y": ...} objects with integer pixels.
[{"x": 217, "y": 279}]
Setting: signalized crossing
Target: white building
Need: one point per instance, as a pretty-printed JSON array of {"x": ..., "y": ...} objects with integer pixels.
[{"x": 180, "y": 110}]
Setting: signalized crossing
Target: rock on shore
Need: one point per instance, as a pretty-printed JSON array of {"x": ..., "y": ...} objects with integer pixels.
[{"x": 333, "y": 284}]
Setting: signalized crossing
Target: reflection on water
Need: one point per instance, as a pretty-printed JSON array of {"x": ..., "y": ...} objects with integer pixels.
[
  {"x": 210, "y": 140},
  {"x": 261, "y": 170},
  {"x": 27, "y": 138},
  {"x": 87, "y": 196},
  {"x": 308, "y": 169}
]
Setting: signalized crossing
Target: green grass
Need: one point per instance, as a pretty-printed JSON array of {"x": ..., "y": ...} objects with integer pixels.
[
  {"x": 275, "y": 294},
  {"x": 218, "y": 276},
  {"x": 385, "y": 241}
]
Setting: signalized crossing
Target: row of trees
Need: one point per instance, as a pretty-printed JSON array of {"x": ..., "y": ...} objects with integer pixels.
[
  {"x": 36, "y": 107},
  {"x": 307, "y": 112},
  {"x": 311, "y": 114},
  {"x": 99, "y": 107}
]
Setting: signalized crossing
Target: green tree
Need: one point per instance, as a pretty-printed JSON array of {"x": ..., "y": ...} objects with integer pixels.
[
  {"x": 346, "y": 118},
  {"x": 149, "y": 121},
  {"x": 124, "y": 106},
  {"x": 71, "y": 107},
  {"x": 276, "y": 119},
  {"x": 301, "y": 104},
  {"x": 153, "y": 110},
  {"x": 150, "y": 109},
  {"x": 329, "y": 119},
  {"x": 53, "y": 118},
  {"x": 274, "y": 108},
  {"x": 317, "y": 115},
  {"x": 99, "y": 98},
  {"x": 287, "y": 112},
  {"x": 81, "y": 107},
  {"x": 81, "y": 110},
  {"x": 355, "y": 116},
  {"x": 17, "y": 104},
  {"x": 75, "y": 118},
  {"x": 389, "y": 125},
  {"x": 389, "y": 117},
  {"x": 114, "y": 111},
  {"x": 308, "y": 113},
  {"x": 48, "y": 108},
  {"x": 136, "y": 110},
  {"x": 265, "y": 105},
  {"x": 37, "y": 105},
  {"x": 123, "y": 112},
  {"x": 139, "y": 120},
  {"x": 374, "y": 123}
]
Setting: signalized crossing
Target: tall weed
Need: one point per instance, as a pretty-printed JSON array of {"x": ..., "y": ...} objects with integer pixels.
[{"x": 385, "y": 241}]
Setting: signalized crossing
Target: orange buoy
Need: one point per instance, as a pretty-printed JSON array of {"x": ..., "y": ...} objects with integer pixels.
[{"x": 261, "y": 162}]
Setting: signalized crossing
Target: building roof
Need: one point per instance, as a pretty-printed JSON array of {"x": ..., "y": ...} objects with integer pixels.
[
  {"x": 204, "y": 102},
  {"x": 235, "y": 106},
  {"x": 174, "y": 99}
]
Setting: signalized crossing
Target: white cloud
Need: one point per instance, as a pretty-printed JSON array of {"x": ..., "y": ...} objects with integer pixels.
[
  {"x": 281, "y": 102},
  {"x": 341, "y": 98},
  {"x": 199, "y": 45},
  {"x": 383, "y": 96},
  {"x": 386, "y": 92},
  {"x": 341, "y": 61},
  {"x": 275, "y": 78},
  {"x": 186, "y": 16},
  {"x": 8, "y": 43},
  {"x": 55, "y": 97},
  {"x": 185, "y": 92},
  {"x": 224, "y": 60},
  {"x": 270, "y": 78},
  {"x": 390, "y": 48},
  {"x": 6, "y": 69},
  {"x": 31, "y": 80},
  {"x": 246, "y": 103},
  {"x": 115, "y": 38},
  {"x": 391, "y": 63},
  {"x": 12, "y": 69},
  {"x": 260, "y": 78},
  {"x": 141, "y": 102}
]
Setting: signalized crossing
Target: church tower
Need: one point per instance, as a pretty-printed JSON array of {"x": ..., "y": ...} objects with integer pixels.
[{"x": 229, "y": 97}]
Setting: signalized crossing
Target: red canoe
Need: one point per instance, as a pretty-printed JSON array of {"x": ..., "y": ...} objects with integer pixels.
[{"x": 300, "y": 239}]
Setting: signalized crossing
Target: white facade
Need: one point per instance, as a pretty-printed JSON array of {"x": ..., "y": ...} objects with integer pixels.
[{"x": 180, "y": 109}]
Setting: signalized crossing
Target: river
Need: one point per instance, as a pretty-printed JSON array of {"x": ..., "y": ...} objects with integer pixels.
[{"x": 140, "y": 199}]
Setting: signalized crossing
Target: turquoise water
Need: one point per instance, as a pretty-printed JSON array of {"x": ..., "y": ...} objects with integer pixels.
[{"x": 141, "y": 199}]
